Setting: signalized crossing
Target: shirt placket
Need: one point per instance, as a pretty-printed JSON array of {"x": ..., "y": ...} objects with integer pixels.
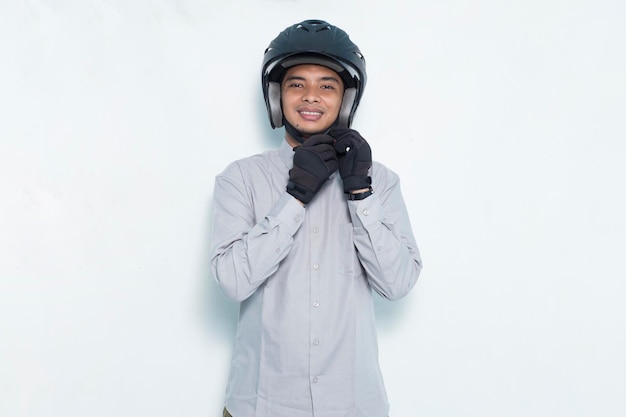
[{"x": 316, "y": 306}]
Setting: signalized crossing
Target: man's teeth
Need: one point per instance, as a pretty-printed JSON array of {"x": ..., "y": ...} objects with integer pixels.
[{"x": 311, "y": 113}]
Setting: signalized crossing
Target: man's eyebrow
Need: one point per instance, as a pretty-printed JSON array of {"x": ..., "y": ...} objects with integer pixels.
[
  {"x": 294, "y": 77},
  {"x": 329, "y": 78},
  {"x": 300, "y": 78}
]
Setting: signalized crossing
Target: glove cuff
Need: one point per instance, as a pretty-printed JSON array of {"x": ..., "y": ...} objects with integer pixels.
[
  {"x": 356, "y": 182},
  {"x": 299, "y": 192}
]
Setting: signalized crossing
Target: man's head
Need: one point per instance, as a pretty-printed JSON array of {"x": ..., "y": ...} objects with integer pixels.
[
  {"x": 311, "y": 97},
  {"x": 309, "y": 44}
]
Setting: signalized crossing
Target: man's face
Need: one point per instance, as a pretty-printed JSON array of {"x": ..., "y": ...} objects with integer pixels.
[{"x": 311, "y": 97}]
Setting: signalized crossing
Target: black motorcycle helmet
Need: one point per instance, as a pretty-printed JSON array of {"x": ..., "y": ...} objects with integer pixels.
[{"x": 313, "y": 42}]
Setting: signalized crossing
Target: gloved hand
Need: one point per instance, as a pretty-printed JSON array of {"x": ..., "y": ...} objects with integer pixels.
[
  {"x": 354, "y": 157},
  {"x": 313, "y": 163}
]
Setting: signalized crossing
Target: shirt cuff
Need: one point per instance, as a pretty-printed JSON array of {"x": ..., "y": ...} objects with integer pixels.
[
  {"x": 288, "y": 212},
  {"x": 366, "y": 212}
]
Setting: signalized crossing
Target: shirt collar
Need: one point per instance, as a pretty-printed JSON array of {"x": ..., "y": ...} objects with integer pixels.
[{"x": 286, "y": 154}]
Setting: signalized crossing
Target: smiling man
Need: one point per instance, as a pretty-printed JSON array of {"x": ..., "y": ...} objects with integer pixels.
[
  {"x": 311, "y": 98},
  {"x": 304, "y": 234}
]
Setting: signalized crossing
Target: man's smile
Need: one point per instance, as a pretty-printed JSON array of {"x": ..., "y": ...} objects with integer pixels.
[{"x": 311, "y": 115}]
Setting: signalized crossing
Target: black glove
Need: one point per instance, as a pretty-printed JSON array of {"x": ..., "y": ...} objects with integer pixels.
[
  {"x": 313, "y": 163},
  {"x": 354, "y": 157}
]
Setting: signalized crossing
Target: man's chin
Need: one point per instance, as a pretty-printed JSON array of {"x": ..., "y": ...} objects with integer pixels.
[{"x": 308, "y": 133}]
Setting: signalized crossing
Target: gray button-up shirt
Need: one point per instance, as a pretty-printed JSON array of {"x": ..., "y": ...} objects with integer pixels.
[{"x": 306, "y": 340}]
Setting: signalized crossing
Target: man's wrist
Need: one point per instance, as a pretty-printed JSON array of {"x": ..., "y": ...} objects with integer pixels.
[{"x": 360, "y": 194}]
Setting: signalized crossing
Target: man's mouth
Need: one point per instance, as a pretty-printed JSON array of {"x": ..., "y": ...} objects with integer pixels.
[{"x": 310, "y": 115}]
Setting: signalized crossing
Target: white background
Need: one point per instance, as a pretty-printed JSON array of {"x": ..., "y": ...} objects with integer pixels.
[{"x": 505, "y": 120}]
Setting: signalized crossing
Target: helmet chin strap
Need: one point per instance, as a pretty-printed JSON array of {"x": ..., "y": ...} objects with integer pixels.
[{"x": 294, "y": 133}]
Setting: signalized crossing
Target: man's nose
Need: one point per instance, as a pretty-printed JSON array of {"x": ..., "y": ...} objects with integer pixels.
[{"x": 311, "y": 95}]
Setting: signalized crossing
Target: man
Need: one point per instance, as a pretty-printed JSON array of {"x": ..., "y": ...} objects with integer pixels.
[{"x": 303, "y": 234}]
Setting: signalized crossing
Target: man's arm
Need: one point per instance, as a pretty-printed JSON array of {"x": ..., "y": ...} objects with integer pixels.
[
  {"x": 384, "y": 238},
  {"x": 244, "y": 253},
  {"x": 382, "y": 231}
]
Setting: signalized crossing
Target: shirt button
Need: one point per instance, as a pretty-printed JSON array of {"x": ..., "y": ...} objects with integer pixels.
[
  {"x": 316, "y": 266},
  {"x": 316, "y": 229},
  {"x": 315, "y": 380},
  {"x": 316, "y": 342},
  {"x": 277, "y": 250},
  {"x": 316, "y": 304},
  {"x": 297, "y": 218},
  {"x": 366, "y": 212}
]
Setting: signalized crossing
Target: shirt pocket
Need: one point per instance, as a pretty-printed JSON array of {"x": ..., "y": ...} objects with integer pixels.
[{"x": 349, "y": 265}]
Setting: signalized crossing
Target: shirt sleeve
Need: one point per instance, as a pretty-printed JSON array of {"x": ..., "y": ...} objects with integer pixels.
[
  {"x": 384, "y": 239},
  {"x": 244, "y": 253}
]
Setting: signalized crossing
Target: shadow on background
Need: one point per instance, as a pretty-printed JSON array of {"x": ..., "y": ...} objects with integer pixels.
[{"x": 391, "y": 314}]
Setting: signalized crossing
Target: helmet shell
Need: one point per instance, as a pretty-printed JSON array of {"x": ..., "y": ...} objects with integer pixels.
[{"x": 313, "y": 42}]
